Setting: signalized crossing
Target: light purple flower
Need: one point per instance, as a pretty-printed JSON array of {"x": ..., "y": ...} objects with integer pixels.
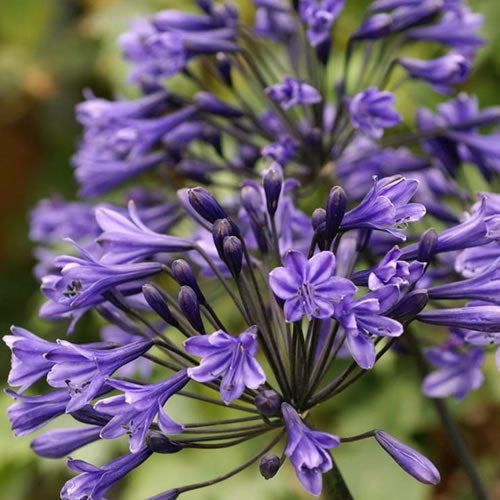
[
  {"x": 372, "y": 111},
  {"x": 441, "y": 72},
  {"x": 386, "y": 207},
  {"x": 233, "y": 358},
  {"x": 459, "y": 372},
  {"x": 84, "y": 279},
  {"x": 293, "y": 92},
  {"x": 363, "y": 320},
  {"x": 134, "y": 411},
  {"x": 392, "y": 271},
  {"x": 83, "y": 370},
  {"x": 484, "y": 339},
  {"x": 309, "y": 287},
  {"x": 28, "y": 362},
  {"x": 319, "y": 17},
  {"x": 128, "y": 238},
  {"x": 93, "y": 481},
  {"x": 307, "y": 450}
]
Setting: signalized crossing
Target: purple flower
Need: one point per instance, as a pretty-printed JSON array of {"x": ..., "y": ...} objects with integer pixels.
[
  {"x": 134, "y": 411},
  {"x": 392, "y": 271},
  {"x": 57, "y": 443},
  {"x": 456, "y": 28},
  {"x": 129, "y": 239},
  {"x": 410, "y": 460},
  {"x": 476, "y": 230},
  {"x": 282, "y": 151},
  {"x": 372, "y": 111},
  {"x": 363, "y": 320},
  {"x": 274, "y": 20},
  {"x": 83, "y": 370},
  {"x": 309, "y": 287},
  {"x": 484, "y": 286},
  {"x": 484, "y": 339},
  {"x": 233, "y": 358},
  {"x": 54, "y": 219},
  {"x": 93, "y": 481},
  {"x": 483, "y": 318},
  {"x": 99, "y": 113},
  {"x": 386, "y": 207},
  {"x": 293, "y": 92},
  {"x": 441, "y": 72},
  {"x": 84, "y": 279},
  {"x": 28, "y": 361},
  {"x": 122, "y": 149},
  {"x": 319, "y": 17},
  {"x": 32, "y": 412},
  {"x": 307, "y": 450},
  {"x": 459, "y": 372}
]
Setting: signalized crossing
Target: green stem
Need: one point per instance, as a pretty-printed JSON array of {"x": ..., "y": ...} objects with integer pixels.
[{"x": 334, "y": 486}]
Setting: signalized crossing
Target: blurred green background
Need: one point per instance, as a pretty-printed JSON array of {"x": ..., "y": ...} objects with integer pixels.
[{"x": 49, "y": 51}]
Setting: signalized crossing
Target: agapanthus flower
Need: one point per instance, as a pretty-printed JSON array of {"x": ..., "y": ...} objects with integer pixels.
[
  {"x": 229, "y": 357},
  {"x": 286, "y": 272},
  {"x": 309, "y": 287}
]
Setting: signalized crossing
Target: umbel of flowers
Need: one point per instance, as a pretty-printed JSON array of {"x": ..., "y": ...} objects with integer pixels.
[{"x": 348, "y": 278}]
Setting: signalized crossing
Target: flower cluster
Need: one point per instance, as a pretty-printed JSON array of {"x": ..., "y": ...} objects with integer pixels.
[{"x": 349, "y": 277}]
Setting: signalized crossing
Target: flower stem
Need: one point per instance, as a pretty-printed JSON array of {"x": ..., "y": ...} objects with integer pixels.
[
  {"x": 455, "y": 438},
  {"x": 334, "y": 487}
]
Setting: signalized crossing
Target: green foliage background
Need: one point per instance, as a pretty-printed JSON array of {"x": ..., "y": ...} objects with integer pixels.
[{"x": 49, "y": 51}]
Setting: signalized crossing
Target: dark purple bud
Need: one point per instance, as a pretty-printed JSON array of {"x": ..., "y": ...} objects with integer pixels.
[
  {"x": 205, "y": 204},
  {"x": 335, "y": 210},
  {"x": 269, "y": 465},
  {"x": 323, "y": 51},
  {"x": 268, "y": 402},
  {"x": 221, "y": 229},
  {"x": 188, "y": 302},
  {"x": 251, "y": 200},
  {"x": 318, "y": 218},
  {"x": 410, "y": 460},
  {"x": 376, "y": 26},
  {"x": 272, "y": 187},
  {"x": 88, "y": 415},
  {"x": 427, "y": 245},
  {"x": 184, "y": 275},
  {"x": 159, "y": 443},
  {"x": 223, "y": 65},
  {"x": 166, "y": 495},
  {"x": 157, "y": 302},
  {"x": 58, "y": 443},
  {"x": 409, "y": 306},
  {"x": 233, "y": 254},
  {"x": 211, "y": 104}
]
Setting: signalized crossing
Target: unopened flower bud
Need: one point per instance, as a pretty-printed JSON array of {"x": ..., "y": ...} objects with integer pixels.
[
  {"x": 166, "y": 495},
  {"x": 156, "y": 301},
  {"x": 58, "y": 443},
  {"x": 159, "y": 443},
  {"x": 233, "y": 254},
  {"x": 269, "y": 465},
  {"x": 409, "y": 306},
  {"x": 251, "y": 200},
  {"x": 268, "y": 402},
  {"x": 427, "y": 245},
  {"x": 205, "y": 204},
  {"x": 221, "y": 229},
  {"x": 410, "y": 460},
  {"x": 273, "y": 182},
  {"x": 184, "y": 275},
  {"x": 188, "y": 302},
  {"x": 335, "y": 210}
]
